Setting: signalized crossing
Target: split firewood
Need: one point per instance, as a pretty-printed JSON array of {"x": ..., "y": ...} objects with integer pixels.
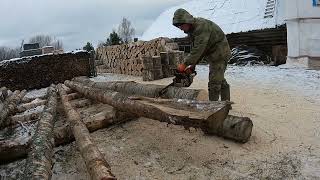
[
  {"x": 10, "y": 105},
  {"x": 97, "y": 166},
  {"x": 148, "y": 90},
  {"x": 39, "y": 162},
  {"x": 207, "y": 115}
]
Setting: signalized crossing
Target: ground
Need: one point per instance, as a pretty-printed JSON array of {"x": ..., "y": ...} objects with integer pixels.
[{"x": 282, "y": 102}]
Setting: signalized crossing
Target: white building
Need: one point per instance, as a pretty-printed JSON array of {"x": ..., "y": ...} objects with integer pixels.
[{"x": 303, "y": 31}]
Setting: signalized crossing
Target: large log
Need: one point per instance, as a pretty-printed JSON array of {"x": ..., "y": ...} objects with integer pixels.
[
  {"x": 10, "y": 105},
  {"x": 97, "y": 166},
  {"x": 39, "y": 162},
  {"x": 207, "y": 115},
  {"x": 148, "y": 90}
]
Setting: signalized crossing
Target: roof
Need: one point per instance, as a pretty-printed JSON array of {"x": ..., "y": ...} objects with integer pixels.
[{"x": 231, "y": 15}]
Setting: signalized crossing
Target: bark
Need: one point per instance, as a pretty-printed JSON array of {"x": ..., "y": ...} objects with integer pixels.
[
  {"x": 23, "y": 118},
  {"x": 79, "y": 103},
  {"x": 3, "y": 94},
  {"x": 148, "y": 90},
  {"x": 39, "y": 162},
  {"x": 73, "y": 96},
  {"x": 106, "y": 118},
  {"x": 208, "y": 115},
  {"x": 23, "y": 107},
  {"x": 12, "y": 149},
  {"x": 10, "y": 105},
  {"x": 97, "y": 166}
]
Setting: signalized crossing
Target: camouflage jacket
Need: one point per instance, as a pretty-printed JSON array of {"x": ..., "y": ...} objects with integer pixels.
[{"x": 208, "y": 39}]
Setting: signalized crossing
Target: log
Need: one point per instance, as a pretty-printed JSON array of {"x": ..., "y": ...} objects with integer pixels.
[
  {"x": 39, "y": 162},
  {"x": 12, "y": 149},
  {"x": 10, "y": 106},
  {"x": 79, "y": 103},
  {"x": 97, "y": 166},
  {"x": 37, "y": 102},
  {"x": 209, "y": 116},
  {"x": 148, "y": 90},
  {"x": 3, "y": 94},
  {"x": 104, "y": 119},
  {"x": 23, "y": 118}
]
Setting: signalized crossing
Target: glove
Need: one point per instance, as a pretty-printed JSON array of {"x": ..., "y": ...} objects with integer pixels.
[{"x": 181, "y": 68}]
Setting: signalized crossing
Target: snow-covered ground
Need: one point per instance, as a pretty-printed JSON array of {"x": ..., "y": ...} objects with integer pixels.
[
  {"x": 283, "y": 78},
  {"x": 286, "y": 79}
]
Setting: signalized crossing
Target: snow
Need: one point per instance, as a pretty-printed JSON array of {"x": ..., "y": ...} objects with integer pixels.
[
  {"x": 287, "y": 79},
  {"x": 231, "y": 15},
  {"x": 29, "y": 58},
  {"x": 36, "y": 93}
]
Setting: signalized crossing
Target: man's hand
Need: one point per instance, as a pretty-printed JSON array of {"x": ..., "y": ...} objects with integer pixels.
[{"x": 181, "y": 68}]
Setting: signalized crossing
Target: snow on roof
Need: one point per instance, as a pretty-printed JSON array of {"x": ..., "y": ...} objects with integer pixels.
[
  {"x": 231, "y": 15},
  {"x": 29, "y": 58}
]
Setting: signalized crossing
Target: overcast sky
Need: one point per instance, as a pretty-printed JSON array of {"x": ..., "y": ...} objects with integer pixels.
[{"x": 75, "y": 22}]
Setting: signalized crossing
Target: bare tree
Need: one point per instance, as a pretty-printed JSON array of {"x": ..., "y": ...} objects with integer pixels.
[
  {"x": 126, "y": 31},
  {"x": 8, "y": 53},
  {"x": 57, "y": 44},
  {"x": 46, "y": 40},
  {"x": 43, "y": 40}
]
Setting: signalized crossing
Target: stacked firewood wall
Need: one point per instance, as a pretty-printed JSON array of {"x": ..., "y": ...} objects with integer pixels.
[{"x": 138, "y": 59}]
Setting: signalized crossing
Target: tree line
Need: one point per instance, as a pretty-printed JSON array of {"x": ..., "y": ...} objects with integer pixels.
[{"x": 43, "y": 40}]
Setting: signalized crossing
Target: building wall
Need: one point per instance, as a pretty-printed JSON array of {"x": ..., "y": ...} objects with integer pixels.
[{"x": 303, "y": 24}]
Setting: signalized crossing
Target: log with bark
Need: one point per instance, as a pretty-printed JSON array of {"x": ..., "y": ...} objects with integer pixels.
[
  {"x": 148, "y": 90},
  {"x": 97, "y": 166},
  {"x": 37, "y": 102},
  {"x": 15, "y": 148},
  {"x": 3, "y": 94},
  {"x": 39, "y": 162},
  {"x": 10, "y": 105},
  {"x": 207, "y": 115},
  {"x": 109, "y": 116}
]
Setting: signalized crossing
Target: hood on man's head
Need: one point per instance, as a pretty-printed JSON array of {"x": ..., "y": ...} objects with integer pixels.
[{"x": 181, "y": 16}]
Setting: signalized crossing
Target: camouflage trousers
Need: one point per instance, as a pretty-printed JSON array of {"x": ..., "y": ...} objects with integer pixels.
[{"x": 218, "y": 86}]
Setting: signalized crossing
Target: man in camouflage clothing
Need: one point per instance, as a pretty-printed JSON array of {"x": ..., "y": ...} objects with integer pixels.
[{"x": 209, "y": 42}]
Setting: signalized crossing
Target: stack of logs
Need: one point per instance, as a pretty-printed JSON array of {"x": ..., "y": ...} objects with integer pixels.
[
  {"x": 116, "y": 102},
  {"x": 140, "y": 58}
]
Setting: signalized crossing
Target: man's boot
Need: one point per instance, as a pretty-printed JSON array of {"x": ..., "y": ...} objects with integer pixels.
[
  {"x": 214, "y": 92},
  {"x": 225, "y": 91}
]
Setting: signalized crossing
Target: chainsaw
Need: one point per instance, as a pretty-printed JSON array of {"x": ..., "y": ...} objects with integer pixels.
[{"x": 181, "y": 79}]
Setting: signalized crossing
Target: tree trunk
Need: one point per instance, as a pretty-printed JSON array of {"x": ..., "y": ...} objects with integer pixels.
[
  {"x": 209, "y": 116},
  {"x": 39, "y": 162},
  {"x": 109, "y": 116},
  {"x": 23, "y": 107},
  {"x": 148, "y": 90},
  {"x": 97, "y": 166},
  {"x": 12, "y": 149},
  {"x": 10, "y": 105}
]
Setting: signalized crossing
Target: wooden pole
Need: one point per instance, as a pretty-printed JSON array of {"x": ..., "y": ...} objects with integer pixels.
[
  {"x": 97, "y": 166},
  {"x": 10, "y": 105},
  {"x": 39, "y": 162},
  {"x": 148, "y": 90}
]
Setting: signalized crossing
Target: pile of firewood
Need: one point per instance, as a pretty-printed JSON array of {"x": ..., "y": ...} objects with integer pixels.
[
  {"x": 115, "y": 102},
  {"x": 128, "y": 58}
]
